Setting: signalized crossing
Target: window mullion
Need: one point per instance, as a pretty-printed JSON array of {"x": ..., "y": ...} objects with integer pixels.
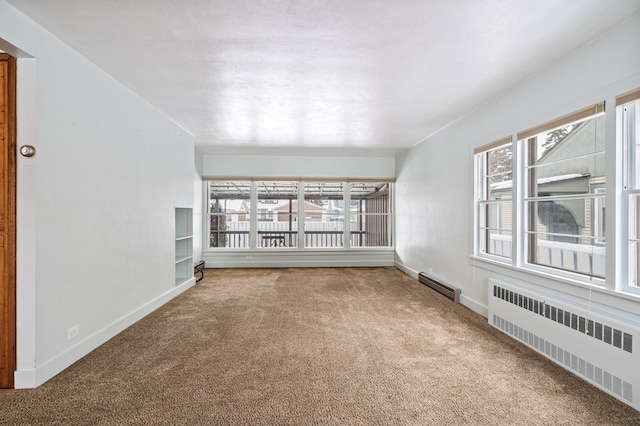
[
  {"x": 301, "y": 204},
  {"x": 346, "y": 223},
  {"x": 518, "y": 195},
  {"x": 616, "y": 240},
  {"x": 531, "y": 191},
  {"x": 253, "y": 216}
]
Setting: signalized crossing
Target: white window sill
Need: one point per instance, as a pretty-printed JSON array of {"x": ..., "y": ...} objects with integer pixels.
[{"x": 575, "y": 287}]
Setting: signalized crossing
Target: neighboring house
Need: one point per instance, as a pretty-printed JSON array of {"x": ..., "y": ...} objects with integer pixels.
[
  {"x": 267, "y": 210},
  {"x": 574, "y": 166},
  {"x": 567, "y": 168},
  {"x": 237, "y": 210},
  {"x": 312, "y": 212}
]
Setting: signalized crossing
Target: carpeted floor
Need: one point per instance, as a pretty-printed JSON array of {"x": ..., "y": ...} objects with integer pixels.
[{"x": 349, "y": 346}]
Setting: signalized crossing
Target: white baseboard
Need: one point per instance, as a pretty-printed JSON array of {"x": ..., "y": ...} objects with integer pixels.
[
  {"x": 470, "y": 303},
  {"x": 294, "y": 258},
  {"x": 33, "y": 378},
  {"x": 474, "y": 305},
  {"x": 404, "y": 268}
]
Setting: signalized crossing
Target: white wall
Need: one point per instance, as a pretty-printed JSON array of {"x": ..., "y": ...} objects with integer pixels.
[
  {"x": 434, "y": 189},
  {"x": 95, "y": 204},
  {"x": 288, "y": 166}
]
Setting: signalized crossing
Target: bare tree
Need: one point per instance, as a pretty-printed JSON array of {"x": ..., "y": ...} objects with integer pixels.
[
  {"x": 554, "y": 137},
  {"x": 500, "y": 164},
  {"x": 218, "y": 226}
]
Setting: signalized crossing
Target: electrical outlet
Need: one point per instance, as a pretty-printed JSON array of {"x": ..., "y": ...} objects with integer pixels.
[
  {"x": 73, "y": 332},
  {"x": 249, "y": 257},
  {"x": 430, "y": 271}
]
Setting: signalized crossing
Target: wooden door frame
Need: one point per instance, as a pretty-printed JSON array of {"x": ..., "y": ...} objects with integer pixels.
[{"x": 8, "y": 279}]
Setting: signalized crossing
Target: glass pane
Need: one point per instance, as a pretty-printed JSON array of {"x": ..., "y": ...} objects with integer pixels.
[
  {"x": 495, "y": 228},
  {"x": 634, "y": 216},
  {"x": 324, "y": 214},
  {"x": 575, "y": 221},
  {"x": 370, "y": 214},
  {"x": 497, "y": 242},
  {"x": 226, "y": 231},
  {"x": 568, "y": 234},
  {"x": 582, "y": 258},
  {"x": 497, "y": 215},
  {"x": 229, "y": 214},
  {"x": 499, "y": 173},
  {"x": 634, "y": 261},
  {"x": 370, "y": 230},
  {"x": 500, "y": 164},
  {"x": 568, "y": 160},
  {"x": 634, "y": 240},
  {"x": 500, "y": 190},
  {"x": 223, "y": 190},
  {"x": 277, "y": 214},
  {"x": 630, "y": 135}
]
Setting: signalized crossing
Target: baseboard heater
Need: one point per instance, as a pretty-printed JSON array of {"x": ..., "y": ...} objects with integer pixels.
[
  {"x": 450, "y": 292},
  {"x": 601, "y": 347}
]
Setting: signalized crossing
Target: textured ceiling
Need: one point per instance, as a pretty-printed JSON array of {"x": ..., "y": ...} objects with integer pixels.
[{"x": 322, "y": 73}]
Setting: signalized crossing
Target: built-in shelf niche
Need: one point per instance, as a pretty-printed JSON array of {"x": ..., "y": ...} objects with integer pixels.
[{"x": 184, "y": 245}]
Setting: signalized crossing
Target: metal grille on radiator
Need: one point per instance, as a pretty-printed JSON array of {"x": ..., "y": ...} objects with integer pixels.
[
  {"x": 605, "y": 333},
  {"x": 579, "y": 366}
]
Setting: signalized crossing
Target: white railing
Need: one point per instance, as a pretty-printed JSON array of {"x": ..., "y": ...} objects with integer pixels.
[
  {"x": 283, "y": 234},
  {"x": 582, "y": 258}
]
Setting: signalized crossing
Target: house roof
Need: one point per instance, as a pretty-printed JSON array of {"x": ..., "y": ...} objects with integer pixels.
[{"x": 508, "y": 184}]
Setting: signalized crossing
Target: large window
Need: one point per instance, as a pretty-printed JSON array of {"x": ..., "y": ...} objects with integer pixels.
[
  {"x": 290, "y": 214},
  {"x": 324, "y": 204},
  {"x": 556, "y": 172},
  {"x": 277, "y": 214},
  {"x": 494, "y": 166},
  {"x": 370, "y": 214},
  {"x": 229, "y": 212},
  {"x": 565, "y": 189},
  {"x": 629, "y": 110}
]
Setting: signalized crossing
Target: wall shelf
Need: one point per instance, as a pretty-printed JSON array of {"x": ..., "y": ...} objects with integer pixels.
[{"x": 183, "y": 245}]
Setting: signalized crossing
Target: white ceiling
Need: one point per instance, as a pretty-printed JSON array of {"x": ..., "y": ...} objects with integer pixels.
[{"x": 324, "y": 74}]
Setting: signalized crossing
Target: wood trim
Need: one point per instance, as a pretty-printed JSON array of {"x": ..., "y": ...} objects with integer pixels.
[
  {"x": 625, "y": 98},
  {"x": 492, "y": 145},
  {"x": 566, "y": 119},
  {"x": 8, "y": 224}
]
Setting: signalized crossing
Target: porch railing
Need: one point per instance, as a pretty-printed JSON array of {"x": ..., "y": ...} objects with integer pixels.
[
  {"x": 581, "y": 258},
  {"x": 266, "y": 239}
]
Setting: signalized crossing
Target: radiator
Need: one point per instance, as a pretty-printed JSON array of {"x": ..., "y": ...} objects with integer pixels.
[
  {"x": 450, "y": 292},
  {"x": 601, "y": 348}
]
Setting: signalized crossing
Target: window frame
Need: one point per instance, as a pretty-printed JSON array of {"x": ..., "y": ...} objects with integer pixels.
[
  {"x": 209, "y": 215},
  {"x": 254, "y": 219},
  {"x": 519, "y": 261},
  {"x": 360, "y": 219},
  {"x": 630, "y": 194},
  {"x": 532, "y": 200},
  {"x": 482, "y": 229}
]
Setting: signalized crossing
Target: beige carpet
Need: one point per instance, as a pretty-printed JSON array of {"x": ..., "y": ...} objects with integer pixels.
[{"x": 313, "y": 346}]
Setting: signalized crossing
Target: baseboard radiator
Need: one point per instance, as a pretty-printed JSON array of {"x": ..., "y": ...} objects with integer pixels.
[
  {"x": 600, "y": 347},
  {"x": 450, "y": 292}
]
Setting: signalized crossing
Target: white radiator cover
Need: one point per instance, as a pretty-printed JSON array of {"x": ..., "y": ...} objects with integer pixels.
[{"x": 601, "y": 347}]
